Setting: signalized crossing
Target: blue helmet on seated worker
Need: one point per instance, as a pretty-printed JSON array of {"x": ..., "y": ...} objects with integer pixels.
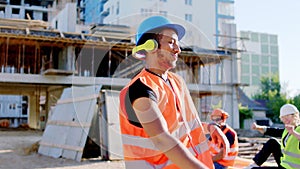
[{"x": 145, "y": 39}]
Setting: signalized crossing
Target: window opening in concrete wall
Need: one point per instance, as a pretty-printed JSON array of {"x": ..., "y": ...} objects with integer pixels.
[
  {"x": 29, "y": 13},
  {"x": 15, "y": 11},
  {"x": 15, "y": 2}
]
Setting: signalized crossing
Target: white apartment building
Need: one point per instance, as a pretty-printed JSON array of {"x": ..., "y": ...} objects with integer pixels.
[
  {"x": 261, "y": 58},
  {"x": 197, "y": 16}
]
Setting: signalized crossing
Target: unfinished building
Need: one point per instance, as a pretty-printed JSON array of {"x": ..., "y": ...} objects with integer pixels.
[{"x": 39, "y": 63}]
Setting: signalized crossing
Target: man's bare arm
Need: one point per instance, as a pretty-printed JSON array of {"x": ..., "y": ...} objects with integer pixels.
[{"x": 155, "y": 126}]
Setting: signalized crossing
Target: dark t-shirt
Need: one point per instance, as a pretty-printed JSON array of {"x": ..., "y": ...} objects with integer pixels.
[
  {"x": 135, "y": 91},
  {"x": 230, "y": 135},
  {"x": 139, "y": 90},
  {"x": 274, "y": 131}
]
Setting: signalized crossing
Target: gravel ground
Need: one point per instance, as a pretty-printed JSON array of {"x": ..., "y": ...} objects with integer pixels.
[{"x": 17, "y": 152}]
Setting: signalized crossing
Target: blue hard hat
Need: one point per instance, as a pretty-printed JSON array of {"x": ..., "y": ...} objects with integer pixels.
[{"x": 156, "y": 22}]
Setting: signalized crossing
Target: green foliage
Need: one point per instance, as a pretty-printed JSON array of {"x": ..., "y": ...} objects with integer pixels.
[
  {"x": 245, "y": 113},
  {"x": 271, "y": 93},
  {"x": 270, "y": 85},
  {"x": 274, "y": 104},
  {"x": 296, "y": 101}
]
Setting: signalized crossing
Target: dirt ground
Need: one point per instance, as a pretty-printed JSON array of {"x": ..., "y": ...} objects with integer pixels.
[{"x": 17, "y": 152}]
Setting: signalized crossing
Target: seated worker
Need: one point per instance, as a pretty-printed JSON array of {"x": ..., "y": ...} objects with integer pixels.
[
  {"x": 220, "y": 158},
  {"x": 286, "y": 153},
  {"x": 159, "y": 122}
]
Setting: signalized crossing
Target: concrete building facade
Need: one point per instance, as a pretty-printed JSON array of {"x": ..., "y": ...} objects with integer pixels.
[
  {"x": 25, "y": 9},
  {"x": 261, "y": 58},
  {"x": 14, "y": 108}
]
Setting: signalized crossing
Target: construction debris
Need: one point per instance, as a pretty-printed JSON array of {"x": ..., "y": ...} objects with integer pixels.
[
  {"x": 4, "y": 123},
  {"x": 24, "y": 23},
  {"x": 248, "y": 147}
]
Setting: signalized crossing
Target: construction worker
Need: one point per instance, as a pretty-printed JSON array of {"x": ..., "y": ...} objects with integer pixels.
[
  {"x": 159, "y": 123},
  {"x": 220, "y": 158},
  {"x": 287, "y": 152}
]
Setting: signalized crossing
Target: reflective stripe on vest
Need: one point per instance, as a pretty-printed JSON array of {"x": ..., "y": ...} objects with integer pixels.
[
  {"x": 148, "y": 144},
  {"x": 217, "y": 149},
  {"x": 289, "y": 158},
  {"x": 138, "y": 148},
  {"x": 289, "y": 165},
  {"x": 229, "y": 158},
  {"x": 291, "y": 152}
]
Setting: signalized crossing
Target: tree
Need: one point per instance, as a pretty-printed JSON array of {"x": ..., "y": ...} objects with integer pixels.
[
  {"x": 274, "y": 104},
  {"x": 269, "y": 83},
  {"x": 296, "y": 101},
  {"x": 271, "y": 93}
]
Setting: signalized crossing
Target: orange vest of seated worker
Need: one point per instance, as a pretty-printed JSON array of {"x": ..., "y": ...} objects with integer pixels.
[
  {"x": 219, "y": 117},
  {"x": 138, "y": 149}
]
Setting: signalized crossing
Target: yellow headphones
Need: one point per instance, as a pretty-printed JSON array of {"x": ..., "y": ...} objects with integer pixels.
[{"x": 149, "y": 45}]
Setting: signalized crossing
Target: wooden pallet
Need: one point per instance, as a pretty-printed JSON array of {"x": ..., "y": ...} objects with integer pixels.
[{"x": 249, "y": 147}]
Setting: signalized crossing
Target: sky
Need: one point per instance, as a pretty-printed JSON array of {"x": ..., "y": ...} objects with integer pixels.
[{"x": 283, "y": 19}]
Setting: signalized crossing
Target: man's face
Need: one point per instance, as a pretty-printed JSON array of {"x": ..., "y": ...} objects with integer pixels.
[
  {"x": 287, "y": 119},
  {"x": 167, "y": 54},
  {"x": 217, "y": 119}
]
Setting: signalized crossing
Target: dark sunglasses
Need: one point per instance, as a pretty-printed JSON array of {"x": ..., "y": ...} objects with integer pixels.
[{"x": 217, "y": 119}]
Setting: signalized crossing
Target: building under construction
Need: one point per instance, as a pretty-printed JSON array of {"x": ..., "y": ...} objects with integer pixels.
[
  {"x": 39, "y": 63},
  {"x": 46, "y": 66}
]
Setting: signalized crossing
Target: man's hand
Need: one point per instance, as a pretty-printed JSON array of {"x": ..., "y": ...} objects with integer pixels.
[
  {"x": 261, "y": 129},
  {"x": 219, "y": 156},
  {"x": 291, "y": 130}
]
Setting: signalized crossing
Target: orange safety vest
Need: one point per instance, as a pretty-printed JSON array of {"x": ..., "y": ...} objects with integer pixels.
[
  {"x": 139, "y": 151},
  {"x": 215, "y": 148}
]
